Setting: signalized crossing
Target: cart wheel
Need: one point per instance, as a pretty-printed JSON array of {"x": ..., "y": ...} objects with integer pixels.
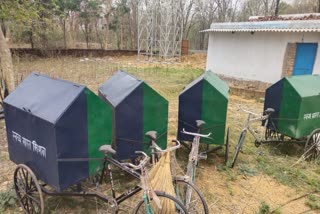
[
  {"x": 28, "y": 190},
  {"x": 312, "y": 147},
  {"x": 226, "y": 154}
]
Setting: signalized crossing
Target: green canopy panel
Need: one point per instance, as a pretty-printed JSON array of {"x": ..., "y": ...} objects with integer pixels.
[
  {"x": 296, "y": 101},
  {"x": 205, "y": 98}
]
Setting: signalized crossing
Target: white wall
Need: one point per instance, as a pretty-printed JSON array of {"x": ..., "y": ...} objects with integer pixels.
[{"x": 257, "y": 56}]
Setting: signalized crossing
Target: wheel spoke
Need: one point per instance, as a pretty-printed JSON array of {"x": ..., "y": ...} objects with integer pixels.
[
  {"x": 20, "y": 181},
  {"x": 33, "y": 199},
  {"x": 24, "y": 201},
  {"x": 27, "y": 205},
  {"x": 32, "y": 187},
  {"x": 28, "y": 181},
  {"x": 35, "y": 206}
]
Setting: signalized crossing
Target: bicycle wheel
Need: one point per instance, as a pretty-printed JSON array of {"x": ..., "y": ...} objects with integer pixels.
[
  {"x": 239, "y": 146},
  {"x": 197, "y": 203},
  {"x": 143, "y": 207}
]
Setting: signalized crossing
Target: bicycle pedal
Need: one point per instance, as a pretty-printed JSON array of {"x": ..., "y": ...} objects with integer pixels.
[{"x": 203, "y": 156}]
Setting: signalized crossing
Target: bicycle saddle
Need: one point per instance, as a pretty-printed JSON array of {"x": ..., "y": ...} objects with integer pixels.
[
  {"x": 269, "y": 111},
  {"x": 107, "y": 149},
  {"x": 200, "y": 123},
  {"x": 152, "y": 135}
]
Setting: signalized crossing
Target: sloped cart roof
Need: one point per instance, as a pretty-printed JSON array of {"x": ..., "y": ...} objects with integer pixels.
[
  {"x": 51, "y": 124},
  {"x": 296, "y": 101},
  {"x": 137, "y": 109},
  {"x": 205, "y": 98}
]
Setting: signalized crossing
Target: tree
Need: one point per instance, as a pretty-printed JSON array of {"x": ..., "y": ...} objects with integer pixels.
[
  {"x": 18, "y": 11},
  {"x": 62, "y": 10},
  {"x": 226, "y": 10},
  {"x": 205, "y": 15},
  {"x": 305, "y": 6},
  {"x": 117, "y": 23},
  {"x": 89, "y": 12},
  {"x": 276, "y": 13},
  {"x": 187, "y": 9}
]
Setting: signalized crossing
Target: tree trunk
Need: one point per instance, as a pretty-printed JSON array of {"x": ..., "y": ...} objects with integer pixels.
[
  {"x": 266, "y": 7},
  {"x": 87, "y": 34},
  {"x": 276, "y": 13},
  {"x": 6, "y": 65},
  {"x": 64, "y": 34},
  {"x": 101, "y": 42},
  {"x": 3, "y": 28}
]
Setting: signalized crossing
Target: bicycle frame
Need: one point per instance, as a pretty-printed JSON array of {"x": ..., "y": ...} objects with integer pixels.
[
  {"x": 193, "y": 159},
  {"x": 251, "y": 119},
  {"x": 107, "y": 161}
]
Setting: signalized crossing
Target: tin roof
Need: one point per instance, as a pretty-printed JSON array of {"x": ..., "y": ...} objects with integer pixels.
[{"x": 267, "y": 26}]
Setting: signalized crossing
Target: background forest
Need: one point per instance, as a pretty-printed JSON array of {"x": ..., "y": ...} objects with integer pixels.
[{"x": 112, "y": 24}]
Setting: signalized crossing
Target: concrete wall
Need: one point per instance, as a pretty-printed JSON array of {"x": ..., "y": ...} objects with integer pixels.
[{"x": 259, "y": 56}]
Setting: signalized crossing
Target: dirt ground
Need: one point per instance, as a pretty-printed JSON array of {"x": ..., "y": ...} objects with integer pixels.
[{"x": 242, "y": 189}]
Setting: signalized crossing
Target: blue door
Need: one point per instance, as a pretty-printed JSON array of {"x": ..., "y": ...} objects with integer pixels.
[{"x": 305, "y": 57}]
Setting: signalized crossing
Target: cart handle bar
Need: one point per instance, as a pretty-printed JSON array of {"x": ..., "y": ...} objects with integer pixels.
[
  {"x": 143, "y": 162},
  {"x": 196, "y": 134},
  {"x": 156, "y": 147}
]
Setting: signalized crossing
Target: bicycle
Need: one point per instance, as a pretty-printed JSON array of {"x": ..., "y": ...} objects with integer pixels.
[
  {"x": 29, "y": 190},
  {"x": 197, "y": 204},
  {"x": 254, "y": 117},
  {"x": 274, "y": 135},
  {"x": 194, "y": 156}
]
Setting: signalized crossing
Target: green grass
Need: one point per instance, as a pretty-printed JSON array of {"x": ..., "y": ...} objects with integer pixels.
[
  {"x": 313, "y": 202},
  {"x": 8, "y": 199},
  {"x": 264, "y": 208},
  {"x": 281, "y": 169},
  {"x": 274, "y": 160}
]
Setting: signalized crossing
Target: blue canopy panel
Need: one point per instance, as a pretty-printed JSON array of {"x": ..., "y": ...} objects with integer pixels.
[
  {"x": 129, "y": 125},
  {"x": 273, "y": 98},
  {"x": 125, "y": 93},
  {"x": 137, "y": 109},
  {"x": 190, "y": 109}
]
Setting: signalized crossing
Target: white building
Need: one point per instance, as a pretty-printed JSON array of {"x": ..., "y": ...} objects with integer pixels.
[{"x": 264, "y": 50}]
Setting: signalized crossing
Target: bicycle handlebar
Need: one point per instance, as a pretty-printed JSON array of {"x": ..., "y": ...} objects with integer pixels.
[
  {"x": 196, "y": 134},
  {"x": 141, "y": 164},
  {"x": 249, "y": 112},
  {"x": 156, "y": 147}
]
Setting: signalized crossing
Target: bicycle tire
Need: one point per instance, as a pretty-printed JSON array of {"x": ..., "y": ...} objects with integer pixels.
[
  {"x": 238, "y": 147},
  {"x": 191, "y": 171},
  {"x": 180, "y": 186},
  {"x": 180, "y": 208}
]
